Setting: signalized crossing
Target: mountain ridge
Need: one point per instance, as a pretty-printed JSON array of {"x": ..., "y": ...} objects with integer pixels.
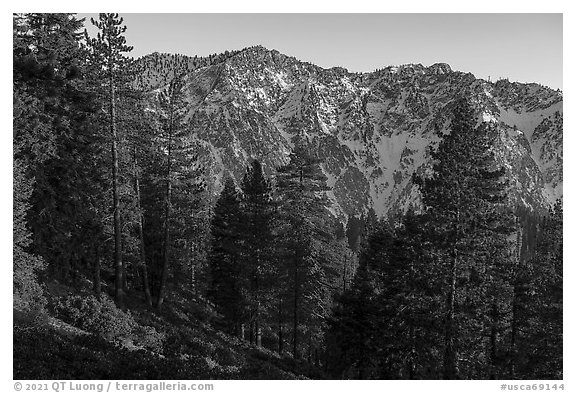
[{"x": 372, "y": 130}]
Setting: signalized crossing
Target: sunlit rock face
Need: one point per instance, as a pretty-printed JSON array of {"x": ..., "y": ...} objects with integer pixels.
[{"x": 372, "y": 130}]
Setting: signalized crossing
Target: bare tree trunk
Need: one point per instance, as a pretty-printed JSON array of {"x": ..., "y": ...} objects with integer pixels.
[
  {"x": 258, "y": 334},
  {"x": 412, "y": 335},
  {"x": 449, "y": 350},
  {"x": 166, "y": 253},
  {"x": 295, "y": 314},
  {"x": 280, "y": 334},
  {"x": 412, "y": 359},
  {"x": 97, "y": 268},
  {"x": 118, "y": 265},
  {"x": 514, "y": 332},
  {"x": 515, "y": 295},
  {"x": 309, "y": 356},
  {"x": 167, "y": 212},
  {"x": 296, "y": 283},
  {"x": 257, "y": 327},
  {"x": 450, "y": 367},
  {"x": 143, "y": 266},
  {"x": 345, "y": 272},
  {"x": 493, "y": 340},
  {"x": 193, "y": 277},
  {"x": 125, "y": 275}
]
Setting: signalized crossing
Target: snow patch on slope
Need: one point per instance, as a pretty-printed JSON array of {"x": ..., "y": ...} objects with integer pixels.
[{"x": 527, "y": 121}]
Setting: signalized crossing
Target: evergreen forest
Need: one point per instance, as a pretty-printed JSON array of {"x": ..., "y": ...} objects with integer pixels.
[{"x": 130, "y": 263}]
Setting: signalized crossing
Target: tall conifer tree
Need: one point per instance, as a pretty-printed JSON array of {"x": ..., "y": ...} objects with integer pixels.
[
  {"x": 258, "y": 247},
  {"x": 108, "y": 58},
  {"x": 465, "y": 205},
  {"x": 56, "y": 141},
  {"x": 172, "y": 135},
  {"x": 301, "y": 187},
  {"x": 538, "y": 351},
  {"x": 224, "y": 259}
]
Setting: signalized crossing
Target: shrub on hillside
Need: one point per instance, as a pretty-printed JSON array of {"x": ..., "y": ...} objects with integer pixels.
[
  {"x": 149, "y": 338},
  {"x": 43, "y": 353},
  {"x": 98, "y": 316},
  {"x": 28, "y": 293},
  {"x": 101, "y": 317}
]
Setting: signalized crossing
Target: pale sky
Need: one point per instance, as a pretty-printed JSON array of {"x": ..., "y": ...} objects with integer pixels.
[{"x": 521, "y": 47}]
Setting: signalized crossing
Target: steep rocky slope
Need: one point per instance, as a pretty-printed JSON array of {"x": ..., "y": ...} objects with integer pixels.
[{"x": 372, "y": 130}]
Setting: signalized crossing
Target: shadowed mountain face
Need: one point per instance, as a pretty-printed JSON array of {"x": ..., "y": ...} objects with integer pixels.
[{"x": 372, "y": 130}]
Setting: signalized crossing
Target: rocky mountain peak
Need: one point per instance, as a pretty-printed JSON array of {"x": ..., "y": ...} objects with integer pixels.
[
  {"x": 372, "y": 130},
  {"x": 440, "y": 68}
]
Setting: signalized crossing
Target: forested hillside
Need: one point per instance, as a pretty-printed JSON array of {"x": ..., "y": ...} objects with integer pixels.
[{"x": 151, "y": 243}]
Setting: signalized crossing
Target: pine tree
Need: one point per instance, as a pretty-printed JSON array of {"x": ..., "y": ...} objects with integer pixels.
[
  {"x": 108, "y": 58},
  {"x": 46, "y": 53},
  {"x": 257, "y": 245},
  {"x": 550, "y": 253},
  {"x": 356, "y": 325},
  {"x": 28, "y": 294},
  {"x": 465, "y": 201},
  {"x": 301, "y": 188},
  {"x": 141, "y": 134},
  {"x": 224, "y": 261},
  {"x": 173, "y": 133},
  {"x": 189, "y": 221},
  {"x": 353, "y": 329},
  {"x": 354, "y": 228},
  {"x": 538, "y": 337},
  {"x": 55, "y": 137},
  {"x": 408, "y": 303},
  {"x": 343, "y": 260}
]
